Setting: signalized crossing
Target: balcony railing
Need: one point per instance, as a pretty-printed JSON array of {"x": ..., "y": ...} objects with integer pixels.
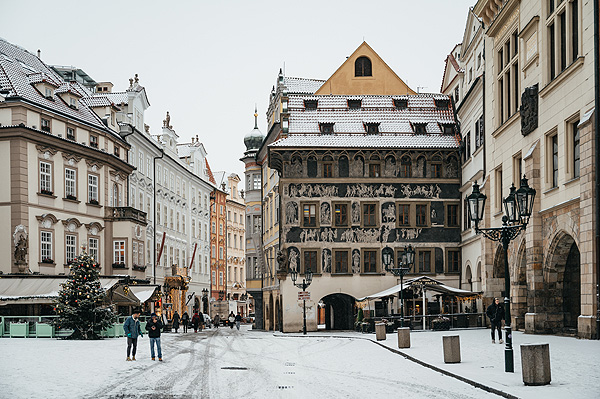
[{"x": 126, "y": 213}]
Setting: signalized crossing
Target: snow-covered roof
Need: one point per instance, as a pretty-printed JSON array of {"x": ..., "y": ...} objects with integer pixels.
[
  {"x": 302, "y": 85},
  {"x": 21, "y": 70},
  {"x": 374, "y": 109},
  {"x": 367, "y": 141}
]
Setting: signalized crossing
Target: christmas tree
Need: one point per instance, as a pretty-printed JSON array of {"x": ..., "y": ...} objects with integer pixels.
[{"x": 80, "y": 304}]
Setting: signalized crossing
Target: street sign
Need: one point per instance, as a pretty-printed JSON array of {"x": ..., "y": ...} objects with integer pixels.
[{"x": 303, "y": 295}]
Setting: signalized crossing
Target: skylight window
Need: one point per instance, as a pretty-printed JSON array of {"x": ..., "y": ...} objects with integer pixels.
[
  {"x": 311, "y": 104},
  {"x": 442, "y": 103},
  {"x": 354, "y": 104},
  {"x": 326, "y": 127},
  {"x": 371, "y": 127},
  {"x": 419, "y": 127},
  {"x": 401, "y": 103}
]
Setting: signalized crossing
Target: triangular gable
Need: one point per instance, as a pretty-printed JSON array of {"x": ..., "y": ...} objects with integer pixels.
[
  {"x": 451, "y": 70},
  {"x": 471, "y": 28},
  {"x": 383, "y": 81}
]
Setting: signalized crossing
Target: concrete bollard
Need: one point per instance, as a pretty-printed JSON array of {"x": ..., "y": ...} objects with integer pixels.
[
  {"x": 451, "y": 345},
  {"x": 535, "y": 364},
  {"x": 380, "y": 331},
  {"x": 404, "y": 337}
]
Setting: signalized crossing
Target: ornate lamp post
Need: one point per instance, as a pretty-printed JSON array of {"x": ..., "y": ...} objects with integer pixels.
[
  {"x": 406, "y": 260},
  {"x": 306, "y": 280},
  {"x": 518, "y": 207},
  {"x": 221, "y": 295}
]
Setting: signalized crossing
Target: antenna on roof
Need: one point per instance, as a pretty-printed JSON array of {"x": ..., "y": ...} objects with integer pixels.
[
  {"x": 255, "y": 117},
  {"x": 420, "y": 87}
]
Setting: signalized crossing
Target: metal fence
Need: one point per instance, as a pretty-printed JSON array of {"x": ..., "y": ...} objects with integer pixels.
[{"x": 427, "y": 322}]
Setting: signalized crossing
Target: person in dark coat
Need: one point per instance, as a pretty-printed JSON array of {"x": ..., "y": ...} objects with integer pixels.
[
  {"x": 216, "y": 321},
  {"x": 496, "y": 314},
  {"x": 196, "y": 321},
  {"x": 185, "y": 321},
  {"x": 132, "y": 330},
  {"x": 176, "y": 321},
  {"x": 154, "y": 326},
  {"x": 238, "y": 321}
]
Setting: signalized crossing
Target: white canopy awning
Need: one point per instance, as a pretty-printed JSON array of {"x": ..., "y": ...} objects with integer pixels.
[
  {"x": 381, "y": 294},
  {"x": 428, "y": 282},
  {"x": 38, "y": 289},
  {"x": 143, "y": 292}
]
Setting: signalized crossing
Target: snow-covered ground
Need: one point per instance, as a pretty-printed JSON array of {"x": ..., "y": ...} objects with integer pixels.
[
  {"x": 219, "y": 364},
  {"x": 575, "y": 363}
]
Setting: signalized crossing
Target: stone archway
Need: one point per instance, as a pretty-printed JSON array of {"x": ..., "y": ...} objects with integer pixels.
[
  {"x": 339, "y": 311},
  {"x": 468, "y": 285},
  {"x": 562, "y": 277},
  {"x": 498, "y": 270}
]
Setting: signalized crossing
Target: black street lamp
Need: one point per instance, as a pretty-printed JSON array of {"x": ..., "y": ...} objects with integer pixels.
[
  {"x": 221, "y": 295},
  {"x": 306, "y": 280},
  {"x": 406, "y": 260},
  {"x": 518, "y": 207}
]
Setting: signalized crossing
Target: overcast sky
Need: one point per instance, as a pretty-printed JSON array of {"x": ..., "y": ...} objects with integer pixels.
[{"x": 209, "y": 62}]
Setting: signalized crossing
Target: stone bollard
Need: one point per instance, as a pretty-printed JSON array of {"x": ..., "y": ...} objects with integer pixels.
[
  {"x": 451, "y": 345},
  {"x": 535, "y": 364},
  {"x": 380, "y": 331},
  {"x": 404, "y": 337}
]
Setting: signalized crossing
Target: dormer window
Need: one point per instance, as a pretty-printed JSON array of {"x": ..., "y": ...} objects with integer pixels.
[
  {"x": 311, "y": 104},
  {"x": 371, "y": 127},
  {"x": 93, "y": 141},
  {"x": 326, "y": 128},
  {"x": 48, "y": 92},
  {"x": 117, "y": 150},
  {"x": 420, "y": 127},
  {"x": 401, "y": 103},
  {"x": 354, "y": 104},
  {"x": 73, "y": 102},
  {"x": 447, "y": 128},
  {"x": 70, "y": 133},
  {"x": 442, "y": 103},
  {"x": 362, "y": 67}
]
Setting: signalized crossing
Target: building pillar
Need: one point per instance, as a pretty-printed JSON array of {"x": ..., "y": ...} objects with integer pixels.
[{"x": 586, "y": 324}]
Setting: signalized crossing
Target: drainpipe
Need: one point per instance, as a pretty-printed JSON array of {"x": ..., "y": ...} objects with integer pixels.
[
  {"x": 596, "y": 124},
  {"x": 162, "y": 154}
]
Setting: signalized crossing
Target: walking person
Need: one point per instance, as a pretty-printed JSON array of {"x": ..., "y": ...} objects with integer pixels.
[
  {"x": 231, "y": 320},
  {"x": 216, "y": 321},
  {"x": 185, "y": 321},
  {"x": 154, "y": 326},
  {"x": 132, "y": 330},
  {"x": 238, "y": 321},
  {"x": 176, "y": 320},
  {"x": 496, "y": 314},
  {"x": 196, "y": 322}
]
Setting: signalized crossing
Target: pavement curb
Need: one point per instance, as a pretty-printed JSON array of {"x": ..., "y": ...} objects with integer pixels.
[{"x": 419, "y": 362}]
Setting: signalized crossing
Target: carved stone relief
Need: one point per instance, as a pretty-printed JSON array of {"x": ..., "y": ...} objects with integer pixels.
[
  {"x": 355, "y": 261},
  {"x": 390, "y": 167},
  {"x": 357, "y": 167},
  {"x": 293, "y": 258},
  {"x": 370, "y": 190},
  {"x": 326, "y": 260},
  {"x": 291, "y": 212},
  {"x": 325, "y": 213},
  {"x": 430, "y": 191},
  {"x": 529, "y": 110},
  {"x": 312, "y": 190},
  {"x": 388, "y": 212},
  {"x": 355, "y": 213}
]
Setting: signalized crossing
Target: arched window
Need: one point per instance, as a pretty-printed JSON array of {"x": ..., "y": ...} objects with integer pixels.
[
  {"x": 343, "y": 166},
  {"x": 362, "y": 67},
  {"x": 405, "y": 167},
  {"x": 312, "y": 166},
  {"x": 115, "y": 195}
]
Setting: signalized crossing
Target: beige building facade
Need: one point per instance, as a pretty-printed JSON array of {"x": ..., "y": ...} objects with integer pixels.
[{"x": 539, "y": 118}]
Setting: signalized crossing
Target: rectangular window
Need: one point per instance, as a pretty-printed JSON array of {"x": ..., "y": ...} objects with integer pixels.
[
  {"x": 452, "y": 216},
  {"x": 369, "y": 261},
  {"x": 575, "y": 30},
  {"x": 117, "y": 150},
  {"x": 134, "y": 252},
  {"x": 327, "y": 170},
  {"x": 309, "y": 215},
  {"x": 369, "y": 215},
  {"x": 46, "y": 246},
  {"x": 341, "y": 261},
  {"x": 374, "y": 170},
  {"x": 119, "y": 252},
  {"x": 421, "y": 215},
  {"x": 93, "y": 244},
  {"x": 45, "y": 125},
  {"x": 70, "y": 133},
  {"x": 70, "y": 183},
  {"x": 310, "y": 261},
  {"x": 424, "y": 260},
  {"x": 498, "y": 198},
  {"x": 576, "y": 156},
  {"x": 256, "y": 182},
  {"x": 340, "y": 216},
  {"x": 93, "y": 189},
  {"x": 552, "y": 45},
  {"x": 93, "y": 141},
  {"x": 453, "y": 261},
  {"x": 554, "y": 141},
  {"x": 71, "y": 247},
  {"x": 562, "y": 22},
  {"x": 436, "y": 170},
  {"x": 517, "y": 169},
  {"x": 466, "y": 219},
  {"x": 404, "y": 214},
  {"x": 220, "y": 252},
  {"x": 46, "y": 178}
]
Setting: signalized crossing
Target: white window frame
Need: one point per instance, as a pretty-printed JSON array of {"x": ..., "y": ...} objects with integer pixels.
[
  {"x": 119, "y": 251},
  {"x": 45, "y": 176},
  {"x": 92, "y": 187},
  {"x": 46, "y": 245},
  {"x": 71, "y": 182},
  {"x": 70, "y": 247}
]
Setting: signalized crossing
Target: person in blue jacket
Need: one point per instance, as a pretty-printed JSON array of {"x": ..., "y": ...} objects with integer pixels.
[{"x": 132, "y": 331}]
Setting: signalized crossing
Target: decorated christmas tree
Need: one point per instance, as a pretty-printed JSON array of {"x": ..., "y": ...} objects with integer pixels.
[{"x": 80, "y": 305}]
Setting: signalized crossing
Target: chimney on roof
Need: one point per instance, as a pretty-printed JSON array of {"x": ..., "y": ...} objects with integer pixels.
[
  {"x": 196, "y": 138},
  {"x": 39, "y": 54}
]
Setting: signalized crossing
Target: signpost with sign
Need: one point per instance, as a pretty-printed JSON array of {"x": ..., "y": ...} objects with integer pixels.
[{"x": 303, "y": 296}]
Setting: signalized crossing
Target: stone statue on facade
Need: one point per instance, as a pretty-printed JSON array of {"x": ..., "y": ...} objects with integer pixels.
[
  {"x": 282, "y": 260},
  {"x": 167, "y": 121},
  {"x": 529, "y": 110},
  {"x": 21, "y": 245}
]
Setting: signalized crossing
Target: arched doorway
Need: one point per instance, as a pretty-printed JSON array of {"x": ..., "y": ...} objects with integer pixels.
[
  {"x": 339, "y": 311},
  {"x": 468, "y": 279},
  {"x": 562, "y": 276},
  {"x": 270, "y": 315},
  {"x": 278, "y": 316},
  {"x": 572, "y": 288}
]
